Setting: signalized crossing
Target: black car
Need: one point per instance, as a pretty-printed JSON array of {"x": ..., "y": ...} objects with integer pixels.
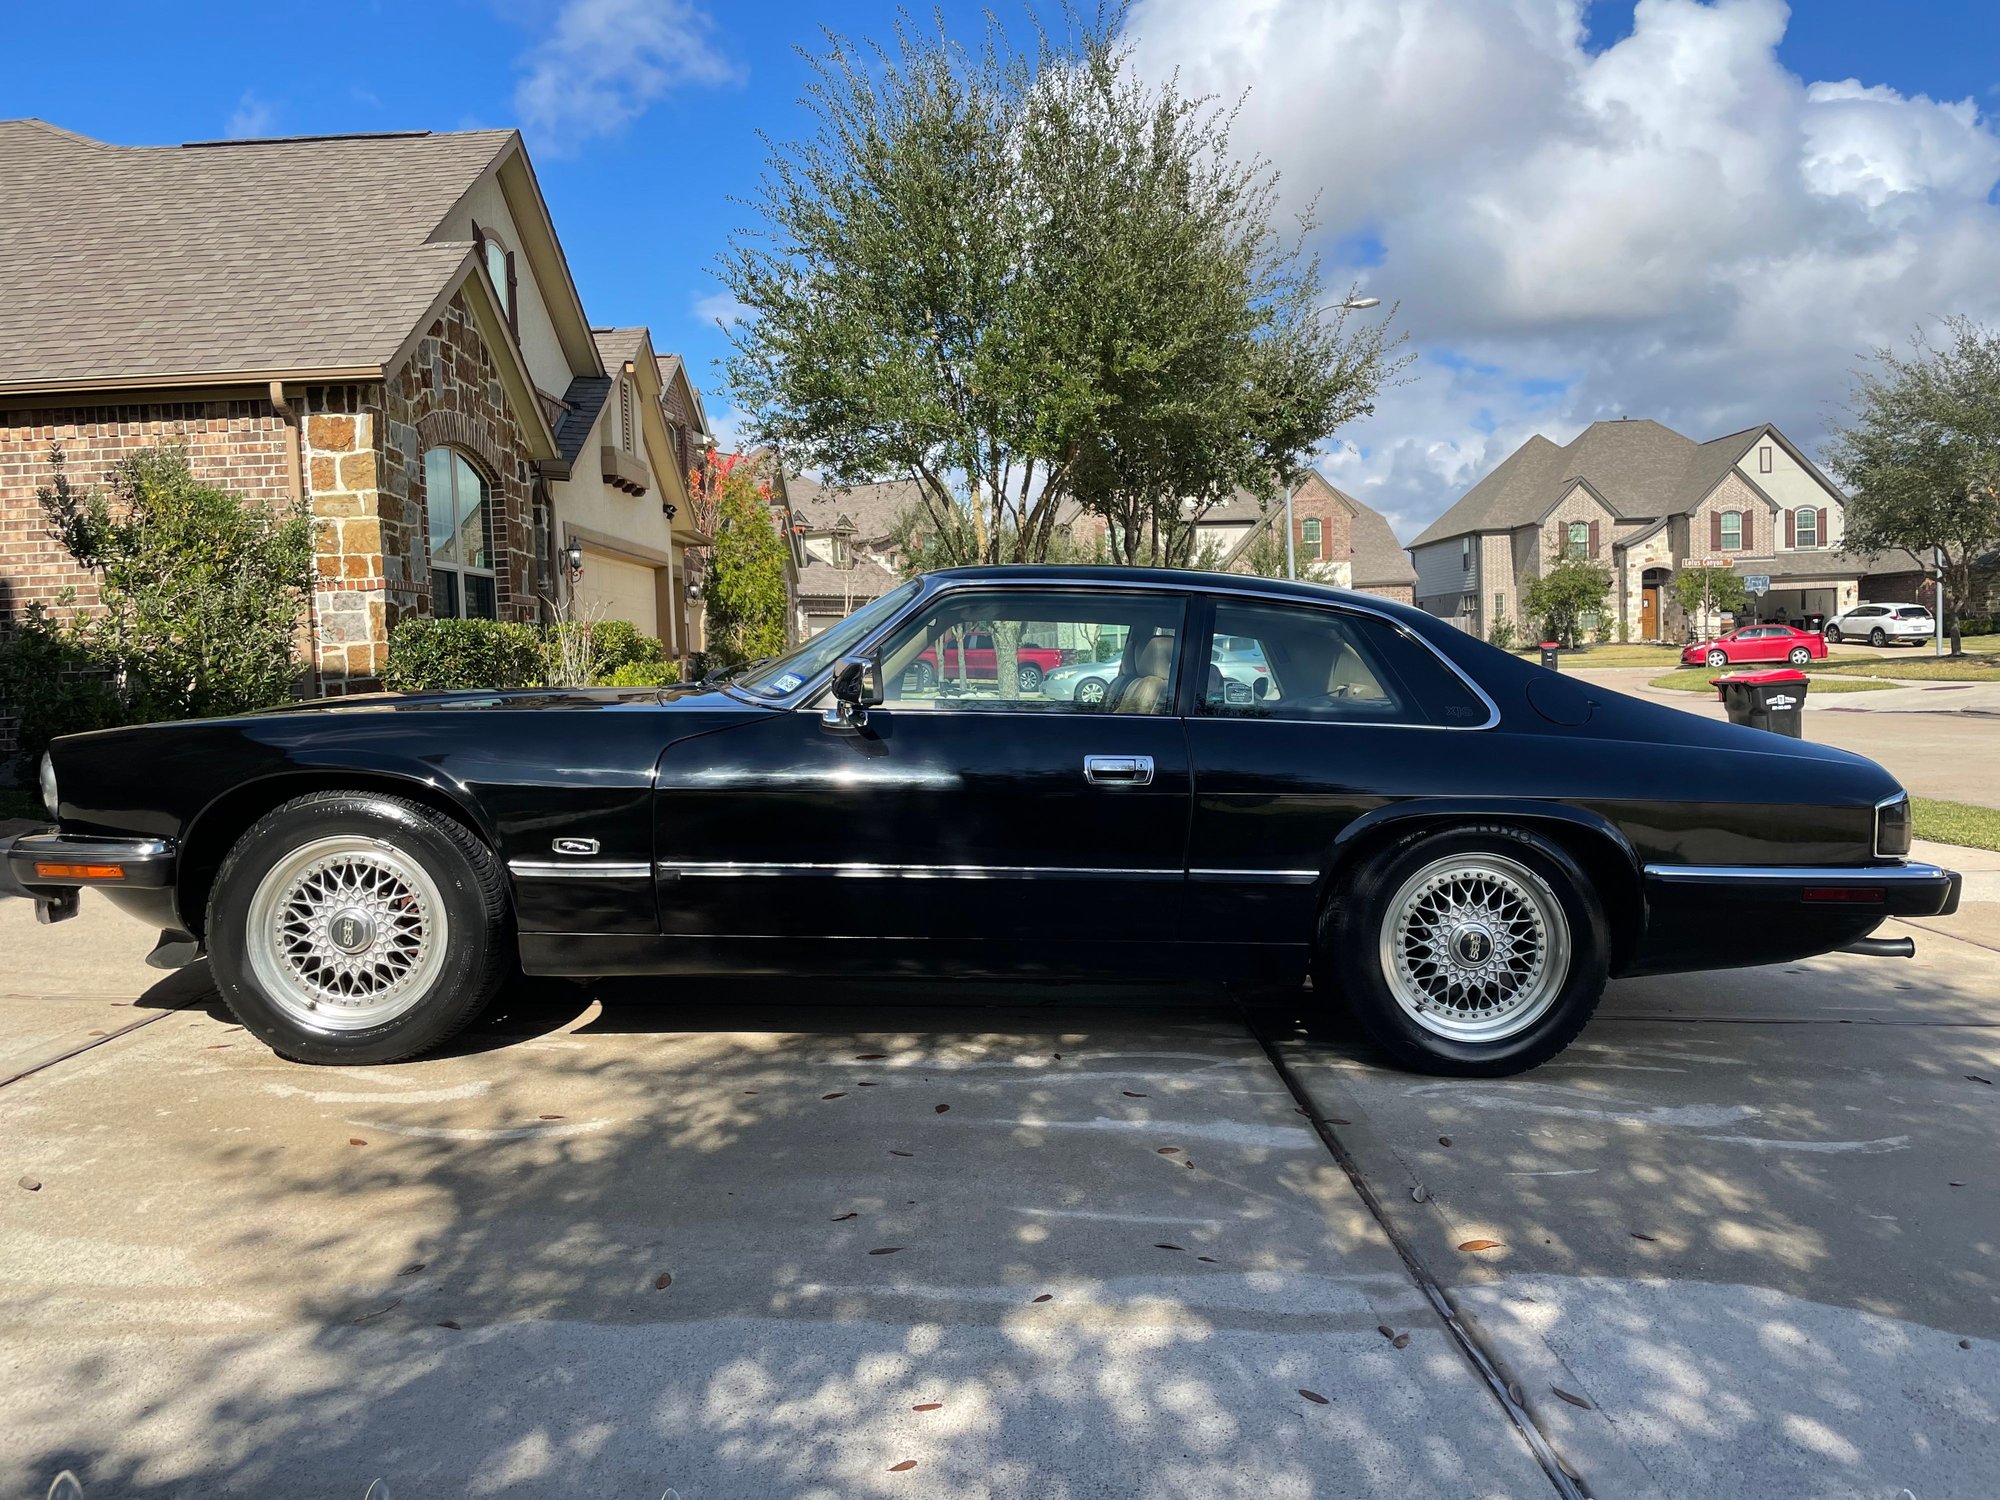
[{"x": 1461, "y": 845}]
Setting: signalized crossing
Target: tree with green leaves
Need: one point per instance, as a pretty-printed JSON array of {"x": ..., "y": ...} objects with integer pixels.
[
  {"x": 1031, "y": 283},
  {"x": 1921, "y": 451},
  {"x": 744, "y": 585},
  {"x": 1705, "y": 592},
  {"x": 1564, "y": 594},
  {"x": 200, "y": 596}
]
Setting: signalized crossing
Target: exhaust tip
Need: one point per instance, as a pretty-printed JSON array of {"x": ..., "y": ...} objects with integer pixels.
[{"x": 1901, "y": 947}]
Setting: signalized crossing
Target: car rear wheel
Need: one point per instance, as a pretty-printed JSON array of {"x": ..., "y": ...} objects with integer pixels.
[
  {"x": 1799, "y": 656},
  {"x": 1028, "y": 677},
  {"x": 1090, "y": 691},
  {"x": 1718, "y": 658},
  {"x": 354, "y": 927},
  {"x": 1833, "y": 635},
  {"x": 1474, "y": 954},
  {"x": 1878, "y": 637},
  {"x": 922, "y": 677}
]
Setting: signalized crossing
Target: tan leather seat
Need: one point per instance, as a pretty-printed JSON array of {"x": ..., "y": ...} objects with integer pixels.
[
  {"x": 1146, "y": 690},
  {"x": 1349, "y": 677}
]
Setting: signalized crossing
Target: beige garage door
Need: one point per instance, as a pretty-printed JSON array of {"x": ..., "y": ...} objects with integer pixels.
[{"x": 614, "y": 589}]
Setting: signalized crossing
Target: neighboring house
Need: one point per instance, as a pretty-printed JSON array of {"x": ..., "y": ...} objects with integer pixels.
[
  {"x": 383, "y": 327},
  {"x": 619, "y": 490},
  {"x": 848, "y": 554},
  {"x": 1647, "y": 502},
  {"x": 1335, "y": 538}
]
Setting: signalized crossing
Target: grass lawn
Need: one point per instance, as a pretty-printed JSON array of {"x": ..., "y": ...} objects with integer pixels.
[
  {"x": 1696, "y": 680},
  {"x": 1956, "y": 822},
  {"x": 1613, "y": 656},
  {"x": 1917, "y": 666}
]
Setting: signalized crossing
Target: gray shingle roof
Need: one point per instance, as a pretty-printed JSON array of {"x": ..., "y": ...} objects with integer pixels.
[
  {"x": 1642, "y": 469},
  {"x": 872, "y": 508},
  {"x": 1379, "y": 559},
  {"x": 615, "y": 346},
  {"x": 225, "y": 260}
]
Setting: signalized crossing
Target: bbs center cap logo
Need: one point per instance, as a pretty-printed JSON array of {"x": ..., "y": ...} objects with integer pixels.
[
  {"x": 1472, "y": 945},
  {"x": 351, "y": 931}
]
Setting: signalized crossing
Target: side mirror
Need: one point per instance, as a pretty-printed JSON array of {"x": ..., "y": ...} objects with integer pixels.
[{"x": 857, "y": 687}]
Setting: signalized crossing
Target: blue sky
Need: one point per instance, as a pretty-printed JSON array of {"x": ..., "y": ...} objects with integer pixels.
[{"x": 640, "y": 158}]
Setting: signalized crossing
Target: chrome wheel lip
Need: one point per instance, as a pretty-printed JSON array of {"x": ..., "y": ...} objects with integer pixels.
[
  {"x": 1511, "y": 905},
  {"x": 358, "y": 979}
]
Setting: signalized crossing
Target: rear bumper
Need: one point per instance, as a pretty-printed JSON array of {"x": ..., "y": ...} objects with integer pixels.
[
  {"x": 1731, "y": 916},
  {"x": 49, "y": 868}
]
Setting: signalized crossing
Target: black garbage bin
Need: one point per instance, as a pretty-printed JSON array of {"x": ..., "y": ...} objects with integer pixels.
[
  {"x": 1549, "y": 657},
  {"x": 1766, "y": 700}
]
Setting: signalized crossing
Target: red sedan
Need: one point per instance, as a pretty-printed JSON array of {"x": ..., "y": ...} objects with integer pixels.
[
  {"x": 1757, "y": 643},
  {"x": 982, "y": 663}
]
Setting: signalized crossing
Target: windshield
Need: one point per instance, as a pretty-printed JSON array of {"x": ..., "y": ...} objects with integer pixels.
[{"x": 792, "y": 671}]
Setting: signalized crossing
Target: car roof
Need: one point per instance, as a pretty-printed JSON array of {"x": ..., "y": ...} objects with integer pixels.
[{"x": 1175, "y": 578}]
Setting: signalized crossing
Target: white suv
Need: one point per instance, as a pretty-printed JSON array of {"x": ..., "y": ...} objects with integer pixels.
[{"x": 1882, "y": 624}]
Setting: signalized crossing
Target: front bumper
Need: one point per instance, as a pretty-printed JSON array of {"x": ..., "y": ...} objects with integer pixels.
[
  {"x": 1899, "y": 890},
  {"x": 50, "y": 868}
]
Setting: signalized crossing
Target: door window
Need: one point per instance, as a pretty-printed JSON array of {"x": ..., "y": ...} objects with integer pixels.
[
  {"x": 1276, "y": 661},
  {"x": 1037, "y": 650}
]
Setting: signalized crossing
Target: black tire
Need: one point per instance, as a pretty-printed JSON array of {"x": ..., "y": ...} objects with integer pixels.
[
  {"x": 1028, "y": 677},
  {"x": 1799, "y": 656},
  {"x": 1878, "y": 637},
  {"x": 1351, "y": 945},
  {"x": 922, "y": 677},
  {"x": 465, "y": 956},
  {"x": 1832, "y": 635}
]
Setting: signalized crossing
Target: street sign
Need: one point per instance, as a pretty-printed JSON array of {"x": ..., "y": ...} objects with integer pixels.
[
  {"x": 1757, "y": 583},
  {"x": 1724, "y": 562}
]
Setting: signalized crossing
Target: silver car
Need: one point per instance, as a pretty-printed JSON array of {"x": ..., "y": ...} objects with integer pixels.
[
  {"x": 1882, "y": 624},
  {"x": 1241, "y": 662}
]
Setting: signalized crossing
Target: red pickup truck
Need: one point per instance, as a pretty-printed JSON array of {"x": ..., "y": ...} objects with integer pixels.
[{"x": 982, "y": 662}]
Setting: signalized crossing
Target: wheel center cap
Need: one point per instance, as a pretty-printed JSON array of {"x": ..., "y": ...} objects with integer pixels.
[
  {"x": 1472, "y": 945},
  {"x": 351, "y": 930}
]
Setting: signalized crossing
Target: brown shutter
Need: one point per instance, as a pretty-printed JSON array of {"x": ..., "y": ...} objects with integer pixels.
[
  {"x": 1749, "y": 537},
  {"x": 1715, "y": 531},
  {"x": 513, "y": 298},
  {"x": 1822, "y": 526},
  {"x": 1595, "y": 538},
  {"x": 1791, "y": 528}
]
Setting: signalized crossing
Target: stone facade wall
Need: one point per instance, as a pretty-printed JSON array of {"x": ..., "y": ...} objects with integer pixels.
[{"x": 240, "y": 444}]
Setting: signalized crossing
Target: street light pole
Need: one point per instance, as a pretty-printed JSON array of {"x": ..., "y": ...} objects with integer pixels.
[{"x": 1352, "y": 304}]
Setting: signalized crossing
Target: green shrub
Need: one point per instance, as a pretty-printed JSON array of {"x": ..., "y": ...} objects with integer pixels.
[
  {"x": 1502, "y": 634},
  {"x": 641, "y": 674},
  {"x": 431, "y": 655},
  {"x": 55, "y": 684}
]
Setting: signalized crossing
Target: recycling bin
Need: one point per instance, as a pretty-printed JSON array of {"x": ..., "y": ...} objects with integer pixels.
[
  {"x": 1549, "y": 657},
  {"x": 1773, "y": 701}
]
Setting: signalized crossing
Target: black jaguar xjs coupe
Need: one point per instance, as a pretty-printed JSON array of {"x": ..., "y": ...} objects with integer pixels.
[{"x": 1275, "y": 779}]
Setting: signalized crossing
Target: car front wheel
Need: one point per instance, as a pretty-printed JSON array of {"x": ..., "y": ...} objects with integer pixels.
[
  {"x": 354, "y": 927},
  {"x": 1718, "y": 658},
  {"x": 1878, "y": 637},
  {"x": 1475, "y": 954},
  {"x": 1833, "y": 635},
  {"x": 1090, "y": 691},
  {"x": 1028, "y": 677},
  {"x": 1799, "y": 656}
]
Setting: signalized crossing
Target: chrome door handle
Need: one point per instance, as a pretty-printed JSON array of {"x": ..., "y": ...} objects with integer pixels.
[{"x": 1118, "y": 770}]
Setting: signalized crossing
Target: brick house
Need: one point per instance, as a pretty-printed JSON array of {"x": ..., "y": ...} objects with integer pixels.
[
  {"x": 1647, "y": 502},
  {"x": 1335, "y": 538},
  {"x": 382, "y": 327}
]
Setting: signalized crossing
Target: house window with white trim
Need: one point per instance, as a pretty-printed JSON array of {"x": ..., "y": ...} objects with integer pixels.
[
  {"x": 1577, "y": 542},
  {"x": 1309, "y": 537},
  {"x": 1732, "y": 531},
  {"x": 459, "y": 505},
  {"x": 1805, "y": 526}
]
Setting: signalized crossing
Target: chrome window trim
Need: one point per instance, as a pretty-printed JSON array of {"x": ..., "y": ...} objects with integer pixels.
[
  {"x": 1901, "y": 874},
  {"x": 804, "y": 695},
  {"x": 1877, "y": 845},
  {"x": 572, "y": 869},
  {"x": 1271, "y": 877},
  {"x": 863, "y": 870}
]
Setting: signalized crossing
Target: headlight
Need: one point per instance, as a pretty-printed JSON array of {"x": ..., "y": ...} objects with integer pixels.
[
  {"x": 1892, "y": 827},
  {"x": 49, "y": 798}
]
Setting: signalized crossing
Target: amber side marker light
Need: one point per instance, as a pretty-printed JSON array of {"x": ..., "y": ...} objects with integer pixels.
[
  {"x": 1862, "y": 895},
  {"x": 45, "y": 871}
]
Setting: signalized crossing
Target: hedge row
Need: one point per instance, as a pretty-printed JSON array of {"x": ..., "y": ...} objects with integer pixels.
[{"x": 433, "y": 655}]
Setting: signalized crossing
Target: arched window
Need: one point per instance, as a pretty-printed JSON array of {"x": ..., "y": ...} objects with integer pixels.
[
  {"x": 1806, "y": 526},
  {"x": 459, "y": 503},
  {"x": 1578, "y": 542}
]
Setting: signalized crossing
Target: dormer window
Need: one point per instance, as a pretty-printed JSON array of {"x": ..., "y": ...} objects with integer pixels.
[{"x": 1806, "y": 526}]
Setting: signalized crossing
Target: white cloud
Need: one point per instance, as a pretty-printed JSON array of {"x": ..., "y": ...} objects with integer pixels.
[
  {"x": 719, "y": 307},
  {"x": 252, "y": 118},
  {"x": 1674, "y": 226},
  {"x": 603, "y": 63}
]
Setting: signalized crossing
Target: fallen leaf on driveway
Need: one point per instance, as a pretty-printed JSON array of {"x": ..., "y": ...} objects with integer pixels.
[
  {"x": 1646, "y": 1237},
  {"x": 1210, "y": 1259},
  {"x": 843, "y": 1218},
  {"x": 886, "y": 1250},
  {"x": 355, "y": 1140},
  {"x": 664, "y": 1280},
  {"x": 1046, "y": 1297},
  {"x": 894, "y": 1152},
  {"x": 1162, "y": 1245},
  {"x": 904, "y": 1467},
  {"x": 217, "y": 1046},
  {"x": 449, "y": 1323},
  {"x": 1130, "y": 1095},
  {"x": 548, "y": 1117},
  {"x": 832, "y": 1096},
  {"x": 1385, "y": 1330},
  {"x": 1444, "y": 1140},
  {"x": 1954, "y": 1184},
  {"x": 1480, "y": 1245},
  {"x": 1419, "y": 1193},
  {"x": 1975, "y": 1078},
  {"x": 369, "y": 1317},
  {"x": 929, "y": 1406},
  {"x": 870, "y": 1056},
  {"x": 411, "y": 1269},
  {"x": 1168, "y": 1150},
  {"x": 1571, "y": 1399},
  {"x": 1314, "y": 1396},
  {"x": 942, "y": 1108},
  {"x": 864, "y": 1084},
  {"x": 32, "y": 1184},
  {"x": 1400, "y": 1341}
]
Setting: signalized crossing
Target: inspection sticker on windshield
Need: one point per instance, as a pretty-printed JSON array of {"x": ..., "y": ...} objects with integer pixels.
[{"x": 788, "y": 682}]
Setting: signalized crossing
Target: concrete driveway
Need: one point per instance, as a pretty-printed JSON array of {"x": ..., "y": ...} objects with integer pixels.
[{"x": 992, "y": 1242}]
